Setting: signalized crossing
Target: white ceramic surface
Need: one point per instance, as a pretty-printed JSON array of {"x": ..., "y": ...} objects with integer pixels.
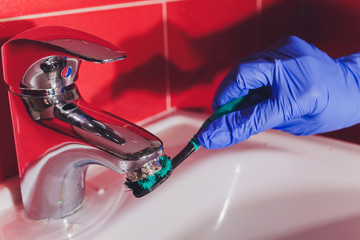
[{"x": 272, "y": 186}]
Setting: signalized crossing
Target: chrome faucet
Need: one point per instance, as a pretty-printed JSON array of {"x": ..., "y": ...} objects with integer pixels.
[{"x": 57, "y": 134}]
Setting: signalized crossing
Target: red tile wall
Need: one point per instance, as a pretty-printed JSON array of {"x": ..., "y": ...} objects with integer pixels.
[
  {"x": 178, "y": 50},
  {"x": 205, "y": 40}
]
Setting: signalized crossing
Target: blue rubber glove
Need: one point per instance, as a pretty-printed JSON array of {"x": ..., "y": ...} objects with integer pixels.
[{"x": 309, "y": 93}]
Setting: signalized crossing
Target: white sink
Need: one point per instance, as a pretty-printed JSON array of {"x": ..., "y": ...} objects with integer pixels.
[{"x": 272, "y": 186}]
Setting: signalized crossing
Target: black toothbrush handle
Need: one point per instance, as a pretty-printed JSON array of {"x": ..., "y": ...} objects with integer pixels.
[{"x": 182, "y": 155}]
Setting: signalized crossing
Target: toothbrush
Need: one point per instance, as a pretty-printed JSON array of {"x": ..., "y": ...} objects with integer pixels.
[{"x": 148, "y": 184}]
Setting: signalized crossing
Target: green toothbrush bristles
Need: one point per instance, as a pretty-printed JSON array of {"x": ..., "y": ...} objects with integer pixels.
[
  {"x": 148, "y": 182},
  {"x": 151, "y": 180},
  {"x": 165, "y": 162}
]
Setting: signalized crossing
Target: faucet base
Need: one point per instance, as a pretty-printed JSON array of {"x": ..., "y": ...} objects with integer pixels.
[
  {"x": 53, "y": 187},
  {"x": 105, "y": 197}
]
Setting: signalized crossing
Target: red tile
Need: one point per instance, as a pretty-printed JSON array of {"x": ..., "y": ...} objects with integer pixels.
[
  {"x": 205, "y": 40},
  {"x": 14, "y": 8},
  {"x": 333, "y": 25},
  {"x": 201, "y": 17},
  {"x": 280, "y": 19},
  {"x": 8, "y": 166},
  {"x": 350, "y": 134}
]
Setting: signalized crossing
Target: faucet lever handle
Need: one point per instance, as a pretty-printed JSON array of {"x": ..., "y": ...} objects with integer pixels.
[
  {"x": 88, "y": 51},
  {"x": 25, "y": 49},
  {"x": 80, "y": 44}
]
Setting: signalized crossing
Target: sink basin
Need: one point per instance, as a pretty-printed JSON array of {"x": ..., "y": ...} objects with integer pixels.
[{"x": 272, "y": 186}]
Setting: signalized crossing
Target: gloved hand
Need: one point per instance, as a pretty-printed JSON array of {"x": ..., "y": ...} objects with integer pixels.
[{"x": 309, "y": 93}]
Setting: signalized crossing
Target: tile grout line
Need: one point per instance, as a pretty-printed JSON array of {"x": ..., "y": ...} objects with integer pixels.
[
  {"x": 156, "y": 116},
  {"x": 86, "y": 10},
  {"x": 166, "y": 57}
]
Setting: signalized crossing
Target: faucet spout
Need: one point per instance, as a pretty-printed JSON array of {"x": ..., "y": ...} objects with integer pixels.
[{"x": 70, "y": 113}]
